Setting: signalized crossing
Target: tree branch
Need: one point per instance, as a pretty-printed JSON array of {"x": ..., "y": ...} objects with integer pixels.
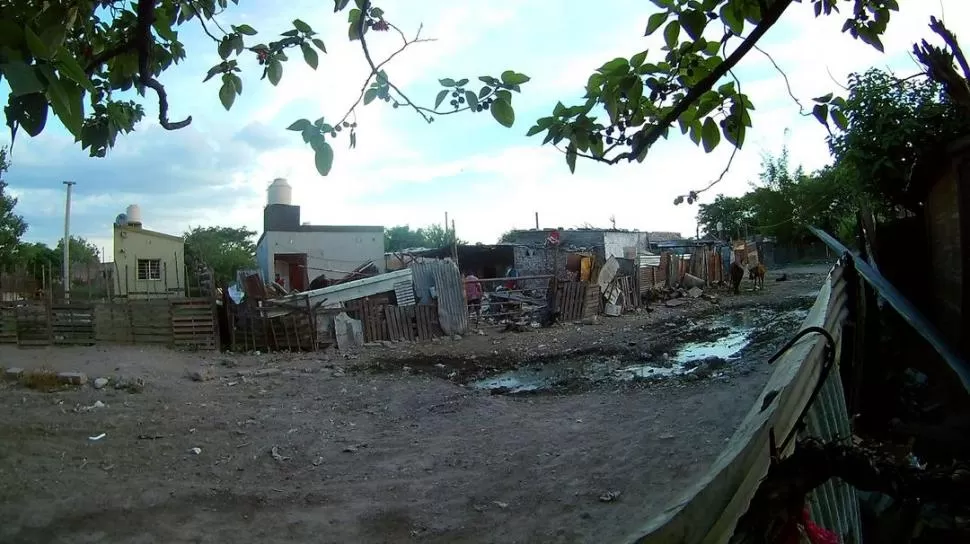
[
  {"x": 376, "y": 69},
  {"x": 791, "y": 93},
  {"x": 939, "y": 64},
  {"x": 647, "y": 138},
  {"x": 142, "y": 42}
]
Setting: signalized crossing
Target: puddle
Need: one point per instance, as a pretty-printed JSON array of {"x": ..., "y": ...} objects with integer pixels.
[{"x": 710, "y": 344}]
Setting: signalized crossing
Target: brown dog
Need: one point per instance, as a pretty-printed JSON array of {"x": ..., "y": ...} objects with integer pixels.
[
  {"x": 737, "y": 274},
  {"x": 757, "y": 274}
]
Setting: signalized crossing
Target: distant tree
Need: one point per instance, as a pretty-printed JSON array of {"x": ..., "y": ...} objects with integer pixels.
[
  {"x": 81, "y": 251},
  {"x": 436, "y": 236},
  {"x": 402, "y": 237},
  {"x": 224, "y": 249},
  {"x": 12, "y": 226},
  {"x": 507, "y": 237}
]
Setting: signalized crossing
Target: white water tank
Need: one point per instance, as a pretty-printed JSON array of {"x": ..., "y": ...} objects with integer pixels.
[
  {"x": 134, "y": 215},
  {"x": 279, "y": 192}
]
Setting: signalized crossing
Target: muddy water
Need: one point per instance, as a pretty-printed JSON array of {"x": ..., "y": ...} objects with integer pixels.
[{"x": 714, "y": 343}]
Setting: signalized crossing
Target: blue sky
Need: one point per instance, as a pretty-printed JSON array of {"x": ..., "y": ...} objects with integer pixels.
[{"x": 488, "y": 178}]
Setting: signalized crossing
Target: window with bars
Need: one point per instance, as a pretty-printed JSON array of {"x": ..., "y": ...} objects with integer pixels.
[{"x": 149, "y": 269}]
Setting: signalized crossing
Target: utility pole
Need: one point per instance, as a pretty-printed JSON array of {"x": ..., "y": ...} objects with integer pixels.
[
  {"x": 537, "y": 220},
  {"x": 67, "y": 242}
]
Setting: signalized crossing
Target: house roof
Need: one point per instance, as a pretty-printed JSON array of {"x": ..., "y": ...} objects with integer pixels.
[
  {"x": 325, "y": 228},
  {"x": 153, "y": 233}
]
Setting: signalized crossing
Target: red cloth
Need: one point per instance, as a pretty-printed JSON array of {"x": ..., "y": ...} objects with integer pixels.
[{"x": 814, "y": 533}]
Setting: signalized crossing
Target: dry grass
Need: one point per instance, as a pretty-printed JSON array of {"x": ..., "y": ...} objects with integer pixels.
[{"x": 41, "y": 380}]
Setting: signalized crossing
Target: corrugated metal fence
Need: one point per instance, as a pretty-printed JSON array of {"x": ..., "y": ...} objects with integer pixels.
[
  {"x": 709, "y": 511},
  {"x": 440, "y": 281}
]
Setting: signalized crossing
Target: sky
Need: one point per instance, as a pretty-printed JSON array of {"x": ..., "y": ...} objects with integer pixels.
[{"x": 487, "y": 178}]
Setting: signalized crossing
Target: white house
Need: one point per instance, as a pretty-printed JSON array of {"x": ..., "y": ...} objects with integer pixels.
[{"x": 297, "y": 253}]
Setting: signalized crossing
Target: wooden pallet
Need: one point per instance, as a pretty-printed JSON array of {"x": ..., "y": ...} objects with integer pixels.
[
  {"x": 400, "y": 323},
  {"x": 33, "y": 325},
  {"x": 593, "y": 300},
  {"x": 426, "y": 319},
  {"x": 194, "y": 324},
  {"x": 72, "y": 324},
  {"x": 151, "y": 322},
  {"x": 569, "y": 300}
]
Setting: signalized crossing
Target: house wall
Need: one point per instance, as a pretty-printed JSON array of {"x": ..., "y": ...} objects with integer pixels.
[
  {"x": 132, "y": 244},
  {"x": 330, "y": 253},
  {"x": 615, "y": 244}
]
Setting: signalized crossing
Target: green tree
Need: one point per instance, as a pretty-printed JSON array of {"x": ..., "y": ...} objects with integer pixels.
[
  {"x": 732, "y": 213},
  {"x": 402, "y": 237},
  {"x": 81, "y": 251},
  {"x": 436, "y": 236},
  {"x": 12, "y": 226},
  {"x": 892, "y": 123},
  {"x": 224, "y": 249},
  {"x": 39, "y": 260},
  {"x": 75, "y": 59}
]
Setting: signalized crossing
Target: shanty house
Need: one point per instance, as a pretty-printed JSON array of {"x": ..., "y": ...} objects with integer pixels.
[{"x": 298, "y": 253}]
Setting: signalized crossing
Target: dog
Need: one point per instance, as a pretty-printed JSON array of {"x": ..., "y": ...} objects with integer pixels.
[
  {"x": 757, "y": 275},
  {"x": 737, "y": 274}
]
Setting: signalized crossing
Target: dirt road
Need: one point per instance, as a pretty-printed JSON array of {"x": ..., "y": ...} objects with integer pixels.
[{"x": 501, "y": 437}]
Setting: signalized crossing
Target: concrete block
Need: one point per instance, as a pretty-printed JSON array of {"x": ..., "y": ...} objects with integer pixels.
[
  {"x": 73, "y": 378},
  {"x": 13, "y": 373}
]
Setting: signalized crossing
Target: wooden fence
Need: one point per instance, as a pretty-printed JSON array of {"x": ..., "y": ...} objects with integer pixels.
[
  {"x": 180, "y": 323},
  {"x": 386, "y": 322}
]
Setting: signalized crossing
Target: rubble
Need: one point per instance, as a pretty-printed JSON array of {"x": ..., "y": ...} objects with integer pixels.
[
  {"x": 73, "y": 378},
  {"x": 201, "y": 374},
  {"x": 13, "y": 373},
  {"x": 695, "y": 292},
  {"x": 100, "y": 383}
]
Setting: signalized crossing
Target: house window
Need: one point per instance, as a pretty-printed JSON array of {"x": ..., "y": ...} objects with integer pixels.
[{"x": 149, "y": 269}]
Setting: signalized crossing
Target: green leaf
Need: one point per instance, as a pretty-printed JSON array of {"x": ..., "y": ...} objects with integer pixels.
[
  {"x": 672, "y": 34},
  {"x": 274, "y": 71},
  {"x": 447, "y": 82},
  {"x": 36, "y": 45},
  {"x": 732, "y": 17},
  {"x": 839, "y": 119},
  {"x": 299, "y": 125},
  {"x": 536, "y": 129},
  {"x": 821, "y": 112},
  {"x": 461, "y": 83},
  {"x": 471, "y": 100},
  {"x": 502, "y": 112},
  {"x": 727, "y": 88},
  {"x": 438, "y": 99},
  {"x": 29, "y": 112},
  {"x": 323, "y": 158},
  {"x": 70, "y": 68},
  {"x": 656, "y": 21},
  {"x": 710, "y": 135},
  {"x": 511, "y": 78},
  {"x": 824, "y": 99},
  {"x": 225, "y": 47},
  {"x": 370, "y": 95},
  {"x": 693, "y": 22},
  {"x": 227, "y": 93},
  {"x": 301, "y": 26},
  {"x": 245, "y": 30},
  {"x": 237, "y": 83},
  {"x": 483, "y": 92},
  {"x": 353, "y": 140},
  {"x": 571, "y": 158},
  {"x": 319, "y": 43},
  {"x": 637, "y": 60},
  {"x": 310, "y": 55},
  {"x": 22, "y": 78}
]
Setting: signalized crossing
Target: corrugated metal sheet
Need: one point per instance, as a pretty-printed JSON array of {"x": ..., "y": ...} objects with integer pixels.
[
  {"x": 648, "y": 259},
  {"x": 440, "y": 282},
  {"x": 404, "y": 293}
]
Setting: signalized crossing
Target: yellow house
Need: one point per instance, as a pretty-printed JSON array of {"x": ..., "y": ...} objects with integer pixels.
[{"x": 148, "y": 264}]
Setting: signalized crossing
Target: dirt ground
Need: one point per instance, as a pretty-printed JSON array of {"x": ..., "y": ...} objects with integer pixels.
[{"x": 391, "y": 444}]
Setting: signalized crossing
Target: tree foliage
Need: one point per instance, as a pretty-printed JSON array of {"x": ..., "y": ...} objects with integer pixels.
[
  {"x": 80, "y": 59},
  {"x": 12, "y": 226},
  {"x": 224, "y": 249},
  {"x": 892, "y": 123},
  {"x": 402, "y": 237},
  {"x": 80, "y": 251}
]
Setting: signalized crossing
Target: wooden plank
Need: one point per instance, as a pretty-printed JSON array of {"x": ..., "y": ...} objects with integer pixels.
[{"x": 409, "y": 322}]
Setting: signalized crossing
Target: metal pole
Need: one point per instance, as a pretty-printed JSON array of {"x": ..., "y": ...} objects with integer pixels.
[
  {"x": 537, "y": 220},
  {"x": 67, "y": 242}
]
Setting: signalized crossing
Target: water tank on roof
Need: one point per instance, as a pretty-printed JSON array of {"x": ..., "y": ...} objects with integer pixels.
[
  {"x": 121, "y": 220},
  {"x": 279, "y": 192},
  {"x": 134, "y": 215}
]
